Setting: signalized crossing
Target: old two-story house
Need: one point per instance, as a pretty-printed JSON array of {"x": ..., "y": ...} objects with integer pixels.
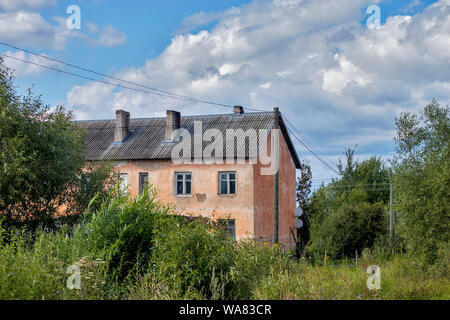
[{"x": 236, "y": 189}]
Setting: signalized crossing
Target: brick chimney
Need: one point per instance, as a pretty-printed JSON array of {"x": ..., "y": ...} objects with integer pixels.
[
  {"x": 122, "y": 125},
  {"x": 172, "y": 123},
  {"x": 238, "y": 110}
]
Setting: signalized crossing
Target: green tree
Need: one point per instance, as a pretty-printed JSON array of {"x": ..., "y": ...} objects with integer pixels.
[
  {"x": 422, "y": 179},
  {"x": 303, "y": 199},
  {"x": 42, "y": 153},
  {"x": 349, "y": 213}
]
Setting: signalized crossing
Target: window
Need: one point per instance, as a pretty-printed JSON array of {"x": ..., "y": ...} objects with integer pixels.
[
  {"x": 227, "y": 182},
  {"x": 230, "y": 226},
  {"x": 143, "y": 181},
  {"x": 183, "y": 183},
  {"x": 123, "y": 183}
]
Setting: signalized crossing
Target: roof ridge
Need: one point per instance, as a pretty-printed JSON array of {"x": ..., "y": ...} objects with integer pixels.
[{"x": 182, "y": 116}]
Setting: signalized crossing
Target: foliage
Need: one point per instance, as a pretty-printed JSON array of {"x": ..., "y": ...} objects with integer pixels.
[
  {"x": 402, "y": 278},
  {"x": 121, "y": 230},
  {"x": 193, "y": 256},
  {"x": 350, "y": 212},
  {"x": 304, "y": 185},
  {"x": 38, "y": 270},
  {"x": 94, "y": 180},
  {"x": 422, "y": 179},
  {"x": 303, "y": 199},
  {"x": 351, "y": 228},
  {"x": 42, "y": 153}
]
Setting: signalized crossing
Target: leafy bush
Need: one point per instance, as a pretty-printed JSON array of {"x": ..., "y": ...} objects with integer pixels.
[
  {"x": 349, "y": 213},
  {"x": 95, "y": 180},
  {"x": 193, "y": 256},
  {"x": 122, "y": 230},
  {"x": 252, "y": 265},
  {"x": 350, "y": 229},
  {"x": 34, "y": 266}
]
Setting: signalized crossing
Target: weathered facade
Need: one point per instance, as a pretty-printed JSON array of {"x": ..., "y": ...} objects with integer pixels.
[{"x": 237, "y": 191}]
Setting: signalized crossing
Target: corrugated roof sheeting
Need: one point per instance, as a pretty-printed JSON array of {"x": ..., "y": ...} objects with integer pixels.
[{"x": 146, "y": 140}]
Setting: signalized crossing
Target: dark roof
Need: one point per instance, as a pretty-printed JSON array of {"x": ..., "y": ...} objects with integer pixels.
[{"x": 147, "y": 137}]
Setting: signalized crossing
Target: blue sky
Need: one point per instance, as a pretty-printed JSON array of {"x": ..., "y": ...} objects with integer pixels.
[{"x": 338, "y": 82}]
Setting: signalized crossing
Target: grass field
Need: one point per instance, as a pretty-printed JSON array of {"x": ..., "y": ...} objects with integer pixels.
[
  {"x": 39, "y": 271},
  {"x": 133, "y": 249}
]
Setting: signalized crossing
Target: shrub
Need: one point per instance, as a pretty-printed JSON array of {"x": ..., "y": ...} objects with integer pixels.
[
  {"x": 252, "y": 265},
  {"x": 122, "y": 230},
  {"x": 192, "y": 256},
  {"x": 349, "y": 229},
  {"x": 36, "y": 269}
]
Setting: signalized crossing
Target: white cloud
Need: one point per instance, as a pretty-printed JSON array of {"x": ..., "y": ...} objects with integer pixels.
[
  {"x": 87, "y": 100},
  {"x": 336, "y": 80},
  {"x": 23, "y": 4},
  {"x": 24, "y": 69},
  {"x": 30, "y": 29},
  {"x": 266, "y": 85},
  {"x": 110, "y": 37},
  {"x": 228, "y": 68},
  {"x": 92, "y": 27}
]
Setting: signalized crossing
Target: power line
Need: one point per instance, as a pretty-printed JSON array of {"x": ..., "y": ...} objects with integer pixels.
[
  {"x": 310, "y": 143},
  {"x": 379, "y": 189},
  {"x": 355, "y": 185},
  {"x": 154, "y": 91},
  {"x": 163, "y": 93},
  {"x": 100, "y": 74},
  {"x": 314, "y": 153},
  {"x": 158, "y": 92},
  {"x": 79, "y": 76}
]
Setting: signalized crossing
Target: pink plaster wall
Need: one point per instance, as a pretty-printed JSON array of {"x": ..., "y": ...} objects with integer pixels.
[{"x": 251, "y": 207}]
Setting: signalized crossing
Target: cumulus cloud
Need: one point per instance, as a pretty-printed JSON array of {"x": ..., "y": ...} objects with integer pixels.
[
  {"x": 25, "y": 69},
  {"x": 30, "y": 29},
  {"x": 335, "y": 80},
  {"x": 24, "y": 4},
  {"x": 108, "y": 36}
]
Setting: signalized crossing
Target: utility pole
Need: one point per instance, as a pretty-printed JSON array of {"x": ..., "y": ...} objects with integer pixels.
[
  {"x": 275, "y": 158},
  {"x": 391, "y": 212}
]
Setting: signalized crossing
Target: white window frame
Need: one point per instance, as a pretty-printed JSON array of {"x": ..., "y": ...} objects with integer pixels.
[
  {"x": 183, "y": 174},
  {"x": 228, "y": 183}
]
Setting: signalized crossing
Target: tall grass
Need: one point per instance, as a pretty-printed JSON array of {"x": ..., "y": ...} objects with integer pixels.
[{"x": 133, "y": 249}]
